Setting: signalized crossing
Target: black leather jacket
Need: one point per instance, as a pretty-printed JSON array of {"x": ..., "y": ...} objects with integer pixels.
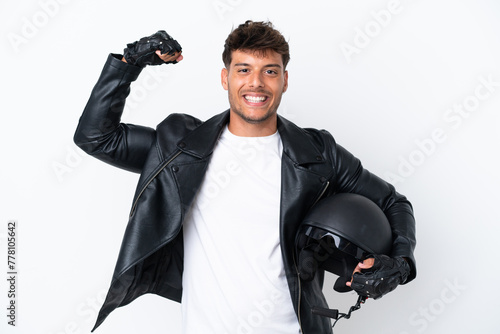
[{"x": 172, "y": 161}]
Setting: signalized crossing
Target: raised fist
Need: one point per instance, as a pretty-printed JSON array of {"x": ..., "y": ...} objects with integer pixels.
[{"x": 143, "y": 51}]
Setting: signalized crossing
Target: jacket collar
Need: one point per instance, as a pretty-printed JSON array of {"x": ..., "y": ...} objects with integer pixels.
[
  {"x": 297, "y": 144},
  {"x": 201, "y": 141}
]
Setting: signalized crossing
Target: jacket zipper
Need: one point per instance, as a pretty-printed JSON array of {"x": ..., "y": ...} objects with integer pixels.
[
  {"x": 297, "y": 268},
  {"x": 300, "y": 293},
  {"x": 322, "y": 193},
  {"x": 151, "y": 180}
]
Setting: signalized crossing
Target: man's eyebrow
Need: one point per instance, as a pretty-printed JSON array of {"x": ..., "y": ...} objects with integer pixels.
[{"x": 268, "y": 65}]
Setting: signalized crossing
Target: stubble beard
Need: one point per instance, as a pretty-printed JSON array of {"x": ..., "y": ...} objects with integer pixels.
[{"x": 272, "y": 112}]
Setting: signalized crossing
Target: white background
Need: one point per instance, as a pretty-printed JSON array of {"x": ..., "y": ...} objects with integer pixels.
[{"x": 383, "y": 103}]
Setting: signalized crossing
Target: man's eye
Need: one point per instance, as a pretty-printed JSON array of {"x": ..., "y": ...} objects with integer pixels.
[
  {"x": 271, "y": 72},
  {"x": 243, "y": 70}
]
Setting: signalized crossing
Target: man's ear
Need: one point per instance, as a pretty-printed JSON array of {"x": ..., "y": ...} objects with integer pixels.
[
  {"x": 285, "y": 86},
  {"x": 223, "y": 78}
]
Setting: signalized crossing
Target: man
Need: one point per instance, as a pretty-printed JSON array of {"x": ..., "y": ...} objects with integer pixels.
[{"x": 218, "y": 202}]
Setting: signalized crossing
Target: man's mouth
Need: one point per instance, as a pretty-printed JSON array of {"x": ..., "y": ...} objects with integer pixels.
[{"x": 255, "y": 99}]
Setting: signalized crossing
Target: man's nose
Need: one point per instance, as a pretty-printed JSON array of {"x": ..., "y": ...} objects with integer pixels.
[{"x": 256, "y": 80}]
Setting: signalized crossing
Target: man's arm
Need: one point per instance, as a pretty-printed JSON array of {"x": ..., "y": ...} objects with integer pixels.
[
  {"x": 353, "y": 178},
  {"x": 100, "y": 132}
]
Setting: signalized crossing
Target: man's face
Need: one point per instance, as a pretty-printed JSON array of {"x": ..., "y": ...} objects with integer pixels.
[{"x": 255, "y": 84}]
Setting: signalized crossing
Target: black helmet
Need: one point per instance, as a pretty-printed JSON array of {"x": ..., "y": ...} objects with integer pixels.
[{"x": 339, "y": 232}]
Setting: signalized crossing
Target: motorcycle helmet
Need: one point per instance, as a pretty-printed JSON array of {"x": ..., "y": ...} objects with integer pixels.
[{"x": 337, "y": 233}]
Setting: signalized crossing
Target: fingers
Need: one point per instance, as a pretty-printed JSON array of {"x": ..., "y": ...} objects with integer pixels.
[
  {"x": 356, "y": 270},
  {"x": 367, "y": 263},
  {"x": 166, "y": 57}
]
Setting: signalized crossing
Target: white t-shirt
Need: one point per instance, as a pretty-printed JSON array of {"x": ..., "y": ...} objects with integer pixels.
[{"x": 234, "y": 280}]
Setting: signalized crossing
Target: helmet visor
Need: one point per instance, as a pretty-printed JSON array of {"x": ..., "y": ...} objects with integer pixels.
[{"x": 331, "y": 242}]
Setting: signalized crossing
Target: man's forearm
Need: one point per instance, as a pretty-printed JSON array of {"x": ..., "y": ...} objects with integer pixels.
[{"x": 100, "y": 132}]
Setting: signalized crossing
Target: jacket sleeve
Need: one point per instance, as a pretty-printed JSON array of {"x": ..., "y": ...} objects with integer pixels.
[
  {"x": 350, "y": 176},
  {"x": 100, "y": 132}
]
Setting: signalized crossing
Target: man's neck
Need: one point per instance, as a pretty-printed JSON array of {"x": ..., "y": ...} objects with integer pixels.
[{"x": 239, "y": 127}]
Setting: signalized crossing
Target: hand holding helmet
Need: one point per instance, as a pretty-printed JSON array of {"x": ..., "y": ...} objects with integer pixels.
[
  {"x": 348, "y": 234},
  {"x": 381, "y": 278}
]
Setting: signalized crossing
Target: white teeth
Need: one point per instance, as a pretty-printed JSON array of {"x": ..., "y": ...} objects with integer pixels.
[{"x": 255, "y": 99}]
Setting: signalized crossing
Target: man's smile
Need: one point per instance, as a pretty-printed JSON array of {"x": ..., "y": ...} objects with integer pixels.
[{"x": 255, "y": 99}]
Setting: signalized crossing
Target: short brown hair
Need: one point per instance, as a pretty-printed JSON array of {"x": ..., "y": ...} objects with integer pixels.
[{"x": 255, "y": 36}]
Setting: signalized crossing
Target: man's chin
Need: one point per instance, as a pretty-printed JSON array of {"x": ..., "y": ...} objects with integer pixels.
[{"x": 255, "y": 119}]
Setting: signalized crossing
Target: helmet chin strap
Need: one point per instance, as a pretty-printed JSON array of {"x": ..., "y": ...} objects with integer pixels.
[{"x": 334, "y": 314}]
